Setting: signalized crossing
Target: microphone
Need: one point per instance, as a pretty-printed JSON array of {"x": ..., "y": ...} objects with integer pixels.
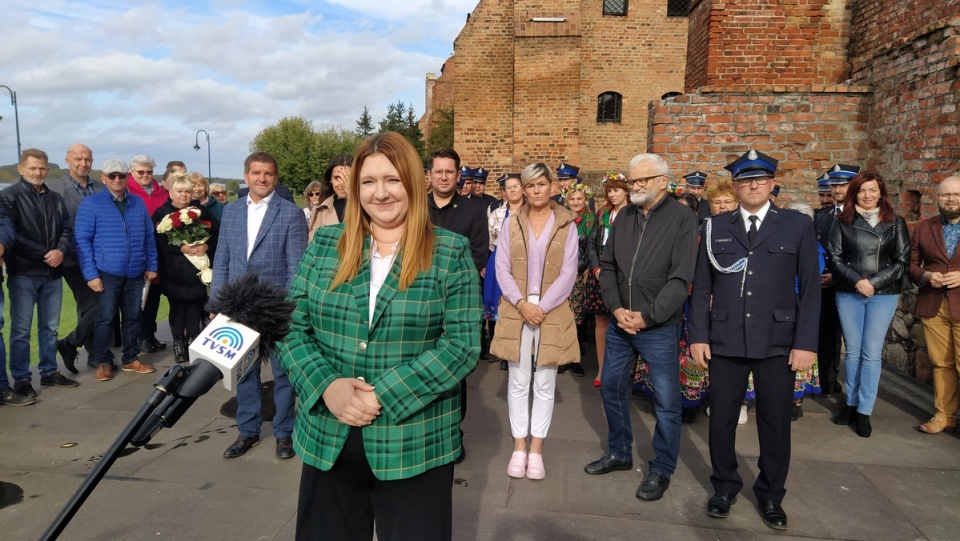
[{"x": 253, "y": 315}]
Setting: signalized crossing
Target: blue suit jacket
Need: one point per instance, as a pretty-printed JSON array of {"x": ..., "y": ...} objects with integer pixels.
[
  {"x": 277, "y": 250},
  {"x": 758, "y": 312}
]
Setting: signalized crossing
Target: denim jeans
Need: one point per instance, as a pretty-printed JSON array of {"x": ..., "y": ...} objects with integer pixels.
[
  {"x": 122, "y": 293},
  {"x": 249, "y": 418},
  {"x": 4, "y": 382},
  {"x": 660, "y": 348},
  {"x": 45, "y": 293},
  {"x": 864, "y": 322}
]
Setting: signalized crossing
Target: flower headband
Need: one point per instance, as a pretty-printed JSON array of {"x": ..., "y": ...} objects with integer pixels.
[
  {"x": 613, "y": 175},
  {"x": 578, "y": 188}
]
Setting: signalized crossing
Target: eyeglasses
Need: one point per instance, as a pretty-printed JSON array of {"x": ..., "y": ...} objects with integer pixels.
[
  {"x": 313, "y": 194},
  {"x": 512, "y": 188},
  {"x": 949, "y": 195},
  {"x": 641, "y": 182},
  {"x": 762, "y": 181},
  {"x": 117, "y": 176},
  {"x": 218, "y": 192},
  {"x": 141, "y": 173},
  {"x": 444, "y": 173}
]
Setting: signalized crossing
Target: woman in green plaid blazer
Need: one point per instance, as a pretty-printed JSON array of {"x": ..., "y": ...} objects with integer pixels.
[{"x": 383, "y": 331}]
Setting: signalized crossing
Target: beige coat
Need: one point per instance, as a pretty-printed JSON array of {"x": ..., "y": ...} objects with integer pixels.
[
  {"x": 323, "y": 214},
  {"x": 558, "y": 332}
]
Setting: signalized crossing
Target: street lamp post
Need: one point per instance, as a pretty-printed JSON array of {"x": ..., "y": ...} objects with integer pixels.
[
  {"x": 16, "y": 116},
  {"x": 196, "y": 146}
]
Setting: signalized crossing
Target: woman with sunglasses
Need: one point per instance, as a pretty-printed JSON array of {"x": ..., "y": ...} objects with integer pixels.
[
  {"x": 311, "y": 194},
  {"x": 333, "y": 194}
]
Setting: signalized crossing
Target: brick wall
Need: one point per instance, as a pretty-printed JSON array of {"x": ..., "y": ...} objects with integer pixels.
[
  {"x": 527, "y": 91},
  {"x": 807, "y": 130},
  {"x": 765, "y": 42},
  {"x": 909, "y": 52}
]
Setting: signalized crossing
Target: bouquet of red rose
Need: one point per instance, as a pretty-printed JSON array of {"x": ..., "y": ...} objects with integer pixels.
[{"x": 186, "y": 227}]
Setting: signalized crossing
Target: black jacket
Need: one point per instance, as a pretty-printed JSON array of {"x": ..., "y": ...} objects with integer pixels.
[
  {"x": 41, "y": 223},
  {"x": 880, "y": 254},
  {"x": 178, "y": 276},
  {"x": 648, "y": 267},
  {"x": 467, "y": 217}
]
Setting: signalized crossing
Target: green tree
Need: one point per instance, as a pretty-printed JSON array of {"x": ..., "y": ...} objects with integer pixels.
[
  {"x": 441, "y": 129},
  {"x": 402, "y": 120},
  {"x": 365, "y": 124},
  {"x": 302, "y": 152}
]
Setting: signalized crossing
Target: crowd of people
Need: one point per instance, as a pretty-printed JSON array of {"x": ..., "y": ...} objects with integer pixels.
[{"x": 705, "y": 296}]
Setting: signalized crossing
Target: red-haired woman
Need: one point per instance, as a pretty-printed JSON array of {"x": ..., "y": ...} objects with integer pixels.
[{"x": 870, "y": 251}]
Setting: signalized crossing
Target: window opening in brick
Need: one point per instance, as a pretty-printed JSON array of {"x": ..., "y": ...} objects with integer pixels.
[
  {"x": 608, "y": 107},
  {"x": 615, "y": 7},
  {"x": 678, "y": 8}
]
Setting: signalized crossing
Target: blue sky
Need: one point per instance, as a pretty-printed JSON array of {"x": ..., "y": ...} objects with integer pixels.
[{"x": 129, "y": 78}]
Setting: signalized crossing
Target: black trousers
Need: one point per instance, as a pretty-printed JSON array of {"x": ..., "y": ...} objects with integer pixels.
[
  {"x": 185, "y": 316},
  {"x": 86, "y": 300},
  {"x": 773, "y": 381},
  {"x": 828, "y": 341},
  {"x": 341, "y": 504}
]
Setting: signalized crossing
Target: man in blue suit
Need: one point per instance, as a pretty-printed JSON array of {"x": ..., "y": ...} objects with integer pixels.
[
  {"x": 755, "y": 307},
  {"x": 264, "y": 234}
]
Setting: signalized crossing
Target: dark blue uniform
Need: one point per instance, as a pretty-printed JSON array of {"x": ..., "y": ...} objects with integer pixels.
[{"x": 752, "y": 318}]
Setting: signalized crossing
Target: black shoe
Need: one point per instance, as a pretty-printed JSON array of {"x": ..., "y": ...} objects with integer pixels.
[
  {"x": 180, "y": 349},
  {"x": 846, "y": 416},
  {"x": 146, "y": 346},
  {"x": 577, "y": 370},
  {"x": 863, "y": 426},
  {"x": 653, "y": 487},
  {"x": 58, "y": 380},
  {"x": 13, "y": 398},
  {"x": 284, "y": 447},
  {"x": 69, "y": 355},
  {"x": 606, "y": 464},
  {"x": 157, "y": 344},
  {"x": 24, "y": 388},
  {"x": 688, "y": 415},
  {"x": 241, "y": 446},
  {"x": 719, "y": 504},
  {"x": 503, "y": 365},
  {"x": 773, "y": 515},
  {"x": 796, "y": 413},
  {"x": 563, "y": 368}
]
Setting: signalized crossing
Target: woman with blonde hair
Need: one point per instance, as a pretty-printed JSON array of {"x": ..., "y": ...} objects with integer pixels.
[
  {"x": 383, "y": 331},
  {"x": 201, "y": 192},
  {"x": 536, "y": 331}
]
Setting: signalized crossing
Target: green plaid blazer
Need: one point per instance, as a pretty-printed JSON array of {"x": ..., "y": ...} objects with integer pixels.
[{"x": 421, "y": 343}]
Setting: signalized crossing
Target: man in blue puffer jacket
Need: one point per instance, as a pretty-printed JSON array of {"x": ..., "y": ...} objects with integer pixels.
[{"x": 117, "y": 254}]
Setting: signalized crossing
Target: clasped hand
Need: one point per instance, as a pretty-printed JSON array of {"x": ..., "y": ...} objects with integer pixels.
[
  {"x": 631, "y": 322},
  {"x": 532, "y": 314},
  {"x": 948, "y": 280},
  {"x": 352, "y": 401}
]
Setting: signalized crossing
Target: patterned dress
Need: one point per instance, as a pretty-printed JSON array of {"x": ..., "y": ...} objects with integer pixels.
[{"x": 585, "y": 297}]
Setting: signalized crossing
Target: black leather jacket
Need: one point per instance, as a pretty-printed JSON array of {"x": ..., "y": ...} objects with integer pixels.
[
  {"x": 41, "y": 224},
  {"x": 881, "y": 255}
]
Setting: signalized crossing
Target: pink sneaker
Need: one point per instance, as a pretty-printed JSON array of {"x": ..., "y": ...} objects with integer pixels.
[
  {"x": 517, "y": 465},
  {"x": 535, "y": 469}
]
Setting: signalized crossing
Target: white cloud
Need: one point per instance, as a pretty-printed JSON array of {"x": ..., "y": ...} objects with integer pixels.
[{"x": 142, "y": 77}]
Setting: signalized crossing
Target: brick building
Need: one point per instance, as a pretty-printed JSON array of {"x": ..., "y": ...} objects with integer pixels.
[{"x": 559, "y": 80}]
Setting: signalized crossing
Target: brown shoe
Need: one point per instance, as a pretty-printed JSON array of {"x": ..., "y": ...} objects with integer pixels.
[
  {"x": 104, "y": 373},
  {"x": 139, "y": 367},
  {"x": 937, "y": 425}
]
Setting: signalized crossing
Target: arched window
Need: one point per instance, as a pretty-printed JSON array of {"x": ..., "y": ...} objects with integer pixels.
[{"x": 608, "y": 107}]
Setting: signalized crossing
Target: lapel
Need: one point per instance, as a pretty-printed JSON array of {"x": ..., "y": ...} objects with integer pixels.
[
  {"x": 768, "y": 226},
  {"x": 387, "y": 291},
  {"x": 361, "y": 286},
  {"x": 243, "y": 225},
  {"x": 273, "y": 209},
  {"x": 937, "y": 226},
  {"x": 739, "y": 230}
]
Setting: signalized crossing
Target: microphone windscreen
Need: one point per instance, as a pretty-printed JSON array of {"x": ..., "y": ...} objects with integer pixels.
[{"x": 257, "y": 304}]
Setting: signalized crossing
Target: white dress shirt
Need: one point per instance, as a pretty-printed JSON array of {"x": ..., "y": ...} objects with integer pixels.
[{"x": 255, "y": 214}]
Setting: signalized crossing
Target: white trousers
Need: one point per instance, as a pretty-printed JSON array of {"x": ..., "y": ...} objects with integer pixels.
[{"x": 525, "y": 420}]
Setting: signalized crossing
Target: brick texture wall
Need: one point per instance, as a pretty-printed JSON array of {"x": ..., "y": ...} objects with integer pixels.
[
  {"x": 527, "y": 91},
  {"x": 806, "y": 131},
  {"x": 766, "y": 42},
  {"x": 909, "y": 52}
]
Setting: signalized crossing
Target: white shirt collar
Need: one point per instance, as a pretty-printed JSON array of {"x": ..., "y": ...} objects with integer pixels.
[
  {"x": 760, "y": 214},
  {"x": 265, "y": 201}
]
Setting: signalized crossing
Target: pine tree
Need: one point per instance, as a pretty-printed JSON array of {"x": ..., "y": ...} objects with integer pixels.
[{"x": 365, "y": 123}]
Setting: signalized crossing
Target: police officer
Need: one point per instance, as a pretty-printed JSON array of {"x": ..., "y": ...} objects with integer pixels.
[
  {"x": 480, "y": 185},
  {"x": 465, "y": 183},
  {"x": 828, "y": 344},
  {"x": 695, "y": 182},
  {"x": 823, "y": 192},
  {"x": 755, "y": 306}
]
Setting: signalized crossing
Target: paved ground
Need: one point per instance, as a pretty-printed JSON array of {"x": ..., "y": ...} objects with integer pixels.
[{"x": 899, "y": 484}]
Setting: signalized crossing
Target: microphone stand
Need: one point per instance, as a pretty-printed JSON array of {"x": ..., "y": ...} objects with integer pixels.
[{"x": 167, "y": 384}]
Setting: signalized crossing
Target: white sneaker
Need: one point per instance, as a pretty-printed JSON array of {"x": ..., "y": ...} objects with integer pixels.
[{"x": 743, "y": 416}]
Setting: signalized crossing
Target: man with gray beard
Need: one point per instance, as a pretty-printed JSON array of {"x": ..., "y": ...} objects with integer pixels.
[
  {"x": 645, "y": 274},
  {"x": 932, "y": 256}
]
